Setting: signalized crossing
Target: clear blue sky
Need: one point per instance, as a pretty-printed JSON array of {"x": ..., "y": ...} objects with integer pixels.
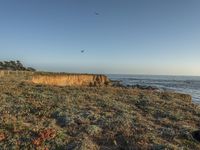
[{"x": 128, "y": 36}]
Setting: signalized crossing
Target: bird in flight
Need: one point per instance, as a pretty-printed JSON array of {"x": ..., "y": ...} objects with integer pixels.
[
  {"x": 82, "y": 51},
  {"x": 96, "y": 13}
]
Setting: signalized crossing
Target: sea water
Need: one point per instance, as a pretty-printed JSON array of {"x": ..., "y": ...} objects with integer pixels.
[{"x": 182, "y": 84}]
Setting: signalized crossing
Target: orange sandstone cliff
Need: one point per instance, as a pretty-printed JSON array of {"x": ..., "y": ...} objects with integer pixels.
[{"x": 71, "y": 79}]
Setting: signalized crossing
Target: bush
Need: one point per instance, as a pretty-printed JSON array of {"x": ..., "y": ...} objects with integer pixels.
[{"x": 14, "y": 65}]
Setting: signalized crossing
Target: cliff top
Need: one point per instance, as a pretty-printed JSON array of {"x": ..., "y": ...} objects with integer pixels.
[{"x": 64, "y": 73}]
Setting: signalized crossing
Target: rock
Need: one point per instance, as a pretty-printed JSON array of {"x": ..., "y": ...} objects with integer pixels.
[
  {"x": 143, "y": 87},
  {"x": 196, "y": 135},
  {"x": 116, "y": 83}
]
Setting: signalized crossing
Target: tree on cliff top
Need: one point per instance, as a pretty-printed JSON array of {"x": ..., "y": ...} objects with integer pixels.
[{"x": 14, "y": 65}]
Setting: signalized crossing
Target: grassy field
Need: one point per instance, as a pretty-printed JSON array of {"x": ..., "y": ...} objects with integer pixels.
[{"x": 50, "y": 117}]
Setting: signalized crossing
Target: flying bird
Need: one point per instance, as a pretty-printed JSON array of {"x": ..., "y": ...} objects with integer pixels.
[
  {"x": 82, "y": 51},
  {"x": 96, "y": 13}
]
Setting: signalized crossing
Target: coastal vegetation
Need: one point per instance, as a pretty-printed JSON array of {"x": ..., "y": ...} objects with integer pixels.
[
  {"x": 14, "y": 65},
  {"x": 37, "y": 116}
]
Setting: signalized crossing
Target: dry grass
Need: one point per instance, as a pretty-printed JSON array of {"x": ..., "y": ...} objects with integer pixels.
[{"x": 50, "y": 117}]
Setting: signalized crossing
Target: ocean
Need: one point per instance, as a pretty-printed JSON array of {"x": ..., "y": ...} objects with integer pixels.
[{"x": 182, "y": 84}]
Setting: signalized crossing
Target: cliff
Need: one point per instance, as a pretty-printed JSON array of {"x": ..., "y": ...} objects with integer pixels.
[{"x": 71, "y": 79}]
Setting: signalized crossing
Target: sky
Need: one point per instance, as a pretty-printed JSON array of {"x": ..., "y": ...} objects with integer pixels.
[{"x": 160, "y": 37}]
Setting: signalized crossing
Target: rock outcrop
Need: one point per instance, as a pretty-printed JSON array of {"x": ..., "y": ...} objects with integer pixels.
[{"x": 71, "y": 79}]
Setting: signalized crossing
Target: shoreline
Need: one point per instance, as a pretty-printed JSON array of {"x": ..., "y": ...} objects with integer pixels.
[{"x": 187, "y": 85}]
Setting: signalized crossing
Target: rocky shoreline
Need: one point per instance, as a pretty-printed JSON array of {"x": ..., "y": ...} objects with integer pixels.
[{"x": 116, "y": 83}]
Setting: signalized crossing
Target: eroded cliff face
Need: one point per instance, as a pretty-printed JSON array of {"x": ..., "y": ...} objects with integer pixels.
[{"x": 71, "y": 80}]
